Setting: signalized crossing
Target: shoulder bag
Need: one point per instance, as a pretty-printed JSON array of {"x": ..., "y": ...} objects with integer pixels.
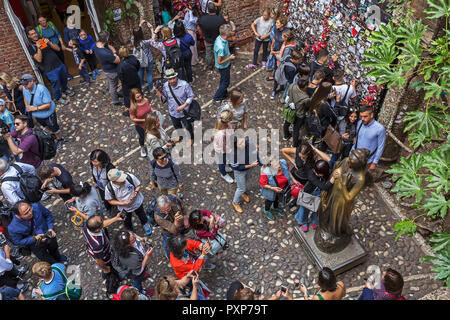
[
  {"x": 289, "y": 111},
  {"x": 309, "y": 201},
  {"x": 194, "y": 112},
  {"x": 333, "y": 139}
]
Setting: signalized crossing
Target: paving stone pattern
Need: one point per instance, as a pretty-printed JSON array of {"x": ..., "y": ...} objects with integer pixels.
[{"x": 262, "y": 252}]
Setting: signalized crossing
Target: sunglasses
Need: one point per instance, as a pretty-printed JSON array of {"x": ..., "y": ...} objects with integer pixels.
[{"x": 163, "y": 158}]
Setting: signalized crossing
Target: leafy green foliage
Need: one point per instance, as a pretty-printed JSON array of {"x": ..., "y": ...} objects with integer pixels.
[
  {"x": 405, "y": 226},
  {"x": 108, "y": 20},
  {"x": 441, "y": 259},
  {"x": 438, "y": 9},
  {"x": 396, "y": 55}
]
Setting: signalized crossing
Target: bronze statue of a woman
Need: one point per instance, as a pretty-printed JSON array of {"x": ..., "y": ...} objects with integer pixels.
[{"x": 334, "y": 232}]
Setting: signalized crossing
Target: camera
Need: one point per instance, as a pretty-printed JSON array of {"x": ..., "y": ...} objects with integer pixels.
[
  {"x": 283, "y": 289},
  {"x": 4, "y": 129},
  {"x": 123, "y": 214},
  {"x": 159, "y": 84},
  {"x": 48, "y": 234},
  {"x": 148, "y": 246}
]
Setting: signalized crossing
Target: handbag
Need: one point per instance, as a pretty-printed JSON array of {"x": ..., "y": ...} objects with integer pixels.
[
  {"x": 296, "y": 188},
  {"x": 219, "y": 242},
  {"x": 194, "y": 112},
  {"x": 288, "y": 113},
  {"x": 333, "y": 139},
  {"x": 308, "y": 201}
]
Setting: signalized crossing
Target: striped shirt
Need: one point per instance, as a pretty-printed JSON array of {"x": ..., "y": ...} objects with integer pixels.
[{"x": 98, "y": 245}]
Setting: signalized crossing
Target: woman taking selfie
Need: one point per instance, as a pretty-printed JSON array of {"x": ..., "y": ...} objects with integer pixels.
[{"x": 134, "y": 255}]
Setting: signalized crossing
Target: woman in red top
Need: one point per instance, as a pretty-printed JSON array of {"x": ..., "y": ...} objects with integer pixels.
[
  {"x": 274, "y": 177},
  {"x": 182, "y": 255},
  {"x": 139, "y": 108}
]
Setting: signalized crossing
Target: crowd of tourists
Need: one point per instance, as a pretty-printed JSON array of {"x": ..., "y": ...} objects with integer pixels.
[{"x": 317, "y": 101}]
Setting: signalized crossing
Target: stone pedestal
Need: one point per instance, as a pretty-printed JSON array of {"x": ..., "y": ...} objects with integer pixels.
[{"x": 353, "y": 255}]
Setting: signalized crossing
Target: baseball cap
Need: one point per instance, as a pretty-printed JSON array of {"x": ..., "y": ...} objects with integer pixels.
[
  {"x": 2, "y": 102},
  {"x": 26, "y": 78},
  {"x": 115, "y": 175}
]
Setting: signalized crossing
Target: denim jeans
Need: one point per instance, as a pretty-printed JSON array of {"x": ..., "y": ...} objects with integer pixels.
[
  {"x": 84, "y": 73},
  {"x": 209, "y": 55},
  {"x": 221, "y": 163},
  {"x": 302, "y": 214},
  {"x": 265, "y": 53},
  {"x": 58, "y": 79},
  {"x": 141, "y": 133},
  {"x": 149, "y": 74},
  {"x": 221, "y": 92},
  {"x": 137, "y": 281},
  {"x": 241, "y": 182},
  {"x": 178, "y": 123}
]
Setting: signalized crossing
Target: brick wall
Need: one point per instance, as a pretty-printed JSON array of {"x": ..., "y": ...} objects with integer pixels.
[
  {"x": 244, "y": 12},
  {"x": 12, "y": 57},
  {"x": 125, "y": 25}
]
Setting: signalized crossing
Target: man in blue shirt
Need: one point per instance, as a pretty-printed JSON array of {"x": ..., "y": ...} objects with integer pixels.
[
  {"x": 32, "y": 227},
  {"x": 44, "y": 53},
  {"x": 182, "y": 92},
  {"x": 223, "y": 59},
  {"x": 370, "y": 134},
  {"x": 39, "y": 103},
  {"x": 109, "y": 61}
]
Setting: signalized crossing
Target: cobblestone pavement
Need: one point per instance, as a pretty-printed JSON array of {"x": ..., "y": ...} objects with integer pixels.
[{"x": 262, "y": 252}]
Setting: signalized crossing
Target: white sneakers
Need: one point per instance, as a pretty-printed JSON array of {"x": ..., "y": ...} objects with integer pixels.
[
  {"x": 143, "y": 153},
  {"x": 227, "y": 178}
]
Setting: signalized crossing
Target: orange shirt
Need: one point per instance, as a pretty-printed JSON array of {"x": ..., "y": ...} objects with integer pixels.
[{"x": 181, "y": 267}]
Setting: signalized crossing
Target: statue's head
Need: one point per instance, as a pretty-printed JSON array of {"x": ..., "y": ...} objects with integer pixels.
[{"x": 358, "y": 158}]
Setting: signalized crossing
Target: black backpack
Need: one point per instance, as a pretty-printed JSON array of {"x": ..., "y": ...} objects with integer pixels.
[
  {"x": 30, "y": 184},
  {"x": 47, "y": 143},
  {"x": 111, "y": 189},
  {"x": 341, "y": 108},
  {"x": 174, "y": 56}
]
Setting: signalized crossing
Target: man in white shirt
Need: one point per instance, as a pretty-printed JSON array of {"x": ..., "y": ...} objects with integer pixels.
[
  {"x": 11, "y": 189},
  {"x": 123, "y": 191},
  {"x": 344, "y": 92}
]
